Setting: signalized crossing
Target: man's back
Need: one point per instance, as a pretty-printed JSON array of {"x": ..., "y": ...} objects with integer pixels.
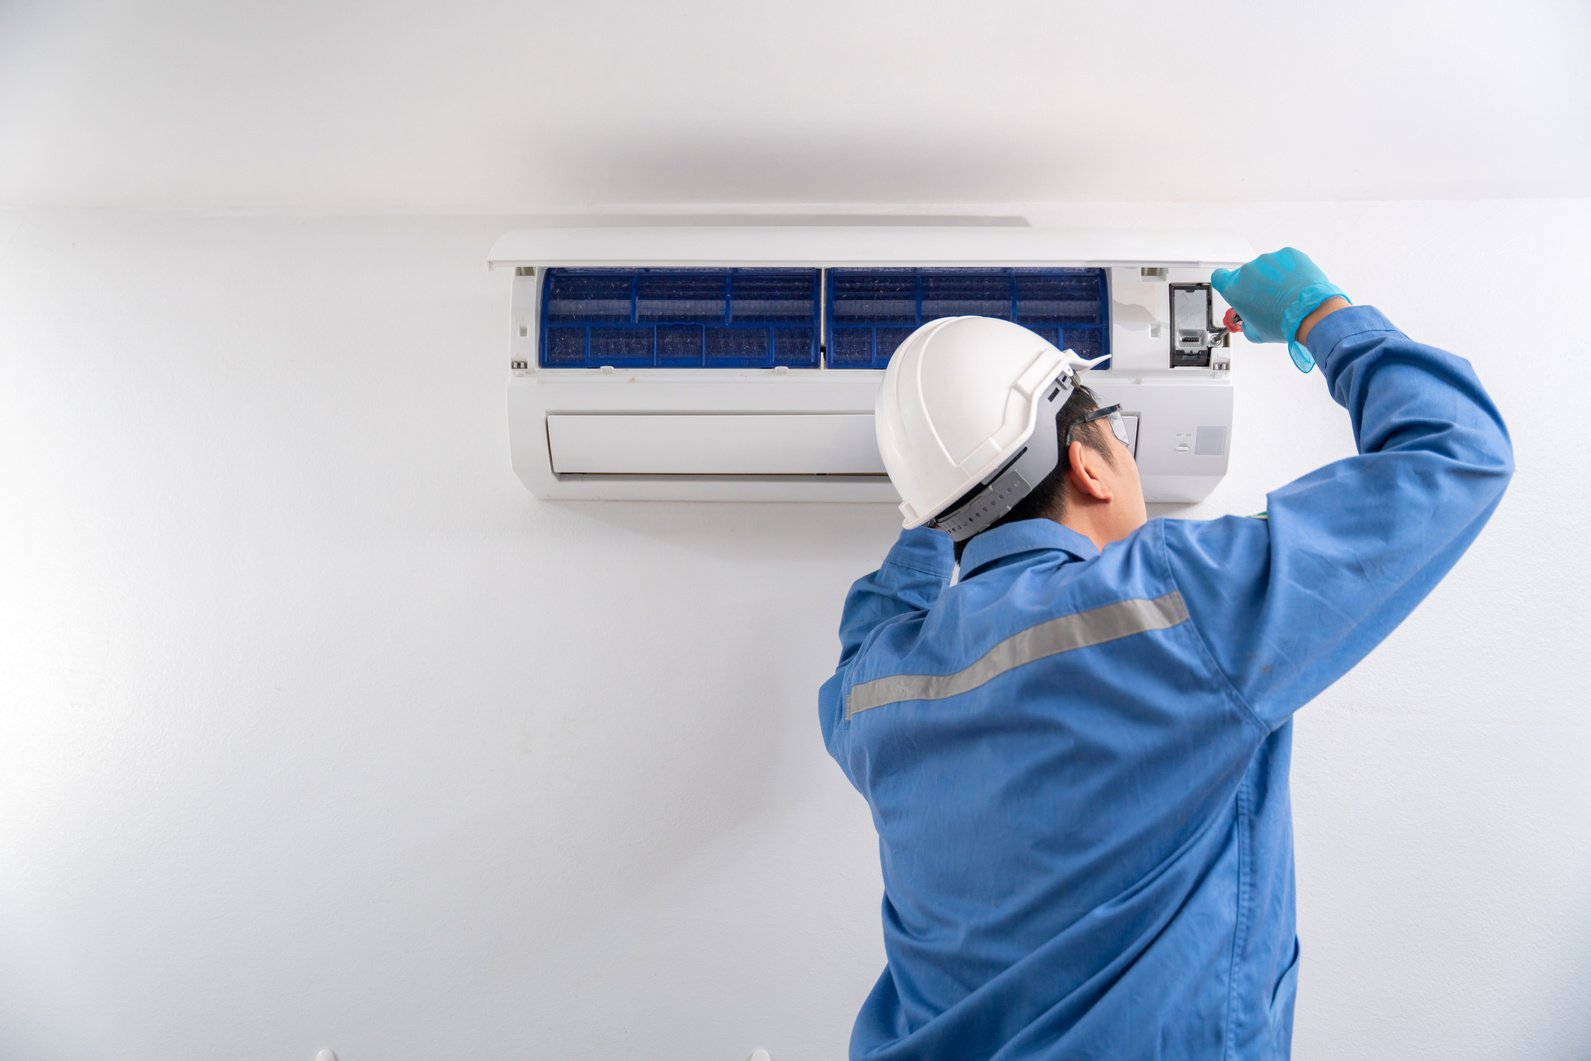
[{"x": 1077, "y": 760}]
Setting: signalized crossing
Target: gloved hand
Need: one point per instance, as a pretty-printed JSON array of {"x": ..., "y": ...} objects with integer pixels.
[{"x": 1273, "y": 294}]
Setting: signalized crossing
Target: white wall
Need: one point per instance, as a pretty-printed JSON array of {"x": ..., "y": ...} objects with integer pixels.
[
  {"x": 317, "y": 729},
  {"x": 517, "y": 105}
]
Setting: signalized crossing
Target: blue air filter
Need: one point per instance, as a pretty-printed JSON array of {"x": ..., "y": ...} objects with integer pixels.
[
  {"x": 679, "y": 318},
  {"x": 870, "y": 311}
]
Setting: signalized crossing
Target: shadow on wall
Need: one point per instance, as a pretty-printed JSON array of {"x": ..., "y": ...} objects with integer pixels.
[
  {"x": 657, "y": 218},
  {"x": 771, "y": 166}
]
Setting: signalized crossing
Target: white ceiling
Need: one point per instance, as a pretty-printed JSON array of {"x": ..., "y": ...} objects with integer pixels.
[{"x": 530, "y": 105}]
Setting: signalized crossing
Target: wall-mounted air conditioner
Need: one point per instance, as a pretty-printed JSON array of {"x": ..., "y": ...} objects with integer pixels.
[{"x": 742, "y": 363}]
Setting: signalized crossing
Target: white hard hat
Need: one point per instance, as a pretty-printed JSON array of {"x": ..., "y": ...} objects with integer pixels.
[{"x": 956, "y": 414}]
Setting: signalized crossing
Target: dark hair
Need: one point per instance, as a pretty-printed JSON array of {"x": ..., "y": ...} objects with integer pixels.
[{"x": 1048, "y": 499}]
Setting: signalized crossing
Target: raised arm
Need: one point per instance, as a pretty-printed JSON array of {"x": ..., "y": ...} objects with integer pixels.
[
  {"x": 913, "y": 575},
  {"x": 1288, "y": 603}
]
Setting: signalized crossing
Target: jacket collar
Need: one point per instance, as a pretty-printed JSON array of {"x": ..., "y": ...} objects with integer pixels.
[{"x": 1008, "y": 540}]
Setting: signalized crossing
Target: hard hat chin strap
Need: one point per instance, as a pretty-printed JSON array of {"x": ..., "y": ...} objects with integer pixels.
[{"x": 1001, "y": 490}]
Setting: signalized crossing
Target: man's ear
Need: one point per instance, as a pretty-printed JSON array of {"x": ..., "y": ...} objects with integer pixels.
[{"x": 1083, "y": 472}]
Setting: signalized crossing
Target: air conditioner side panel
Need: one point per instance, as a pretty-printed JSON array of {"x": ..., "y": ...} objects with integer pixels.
[{"x": 1184, "y": 435}]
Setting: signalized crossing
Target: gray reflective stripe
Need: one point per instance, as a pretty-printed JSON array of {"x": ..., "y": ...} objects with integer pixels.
[{"x": 1079, "y": 630}]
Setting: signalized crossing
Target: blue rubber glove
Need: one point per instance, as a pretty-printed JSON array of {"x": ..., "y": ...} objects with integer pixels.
[{"x": 1273, "y": 294}]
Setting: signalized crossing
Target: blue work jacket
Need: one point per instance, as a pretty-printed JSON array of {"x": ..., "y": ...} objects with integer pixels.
[{"x": 1077, "y": 759}]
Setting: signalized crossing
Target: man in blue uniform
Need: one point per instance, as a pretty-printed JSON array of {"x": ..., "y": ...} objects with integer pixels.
[{"x": 1076, "y": 756}]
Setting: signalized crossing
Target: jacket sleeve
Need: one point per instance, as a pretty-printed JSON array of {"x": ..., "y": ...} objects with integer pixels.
[
  {"x": 1289, "y": 602},
  {"x": 913, "y": 575}
]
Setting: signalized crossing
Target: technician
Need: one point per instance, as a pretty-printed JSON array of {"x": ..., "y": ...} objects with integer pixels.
[{"x": 1076, "y": 756}]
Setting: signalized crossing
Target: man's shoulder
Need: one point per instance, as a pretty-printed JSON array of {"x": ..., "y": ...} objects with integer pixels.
[{"x": 1049, "y": 584}]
